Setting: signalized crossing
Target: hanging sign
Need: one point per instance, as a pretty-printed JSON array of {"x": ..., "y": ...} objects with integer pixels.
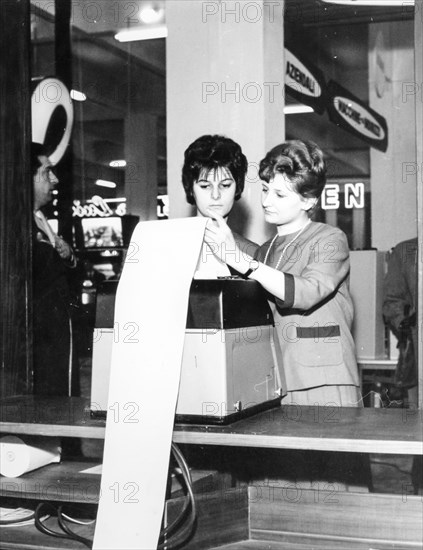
[
  {"x": 304, "y": 82},
  {"x": 350, "y": 113},
  {"x": 52, "y": 116},
  {"x": 99, "y": 207}
]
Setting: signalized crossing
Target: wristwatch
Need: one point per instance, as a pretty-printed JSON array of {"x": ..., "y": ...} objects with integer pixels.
[{"x": 253, "y": 266}]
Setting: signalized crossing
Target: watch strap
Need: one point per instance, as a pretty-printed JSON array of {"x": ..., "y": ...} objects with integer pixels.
[
  {"x": 248, "y": 273},
  {"x": 254, "y": 264}
]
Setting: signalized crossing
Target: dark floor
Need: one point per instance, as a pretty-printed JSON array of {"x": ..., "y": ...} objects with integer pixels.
[{"x": 390, "y": 473}]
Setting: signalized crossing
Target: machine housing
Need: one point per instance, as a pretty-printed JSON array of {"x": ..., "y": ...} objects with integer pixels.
[{"x": 230, "y": 364}]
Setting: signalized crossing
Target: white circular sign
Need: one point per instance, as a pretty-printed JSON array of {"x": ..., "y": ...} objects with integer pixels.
[{"x": 51, "y": 104}]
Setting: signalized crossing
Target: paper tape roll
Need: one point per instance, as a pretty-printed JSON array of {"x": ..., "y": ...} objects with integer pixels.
[
  {"x": 18, "y": 457},
  {"x": 151, "y": 306}
]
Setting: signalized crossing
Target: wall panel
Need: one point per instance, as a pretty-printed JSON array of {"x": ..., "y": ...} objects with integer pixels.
[{"x": 15, "y": 198}]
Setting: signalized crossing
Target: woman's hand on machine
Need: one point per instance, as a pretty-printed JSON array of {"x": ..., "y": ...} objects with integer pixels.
[{"x": 221, "y": 241}]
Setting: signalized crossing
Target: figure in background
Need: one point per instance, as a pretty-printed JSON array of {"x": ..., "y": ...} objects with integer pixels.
[
  {"x": 305, "y": 270},
  {"x": 213, "y": 176},
  {"x": 56, "y": 369},
  {"x": 399, "y": 311}
]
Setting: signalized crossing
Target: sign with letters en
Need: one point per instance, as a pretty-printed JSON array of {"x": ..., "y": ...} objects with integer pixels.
[
  {"x": 350, "y": 113},
  {"x": 304, "y": 82}
]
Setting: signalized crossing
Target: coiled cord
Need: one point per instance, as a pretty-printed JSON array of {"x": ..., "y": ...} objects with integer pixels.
[
  {"x": 66, "y": 533},
  {"x": 170, "y": 541},
  {"x": 171, "y": 537}
]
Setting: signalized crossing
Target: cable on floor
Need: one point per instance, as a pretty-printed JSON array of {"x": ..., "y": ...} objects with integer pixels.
[{"x": 171, "y": 537}]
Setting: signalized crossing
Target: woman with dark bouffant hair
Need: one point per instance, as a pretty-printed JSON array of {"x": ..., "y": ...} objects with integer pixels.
[
  {"x": 213, "y": 176},
  {"x": 209, "y": 154},
  {"x": 305, "y": 269}
]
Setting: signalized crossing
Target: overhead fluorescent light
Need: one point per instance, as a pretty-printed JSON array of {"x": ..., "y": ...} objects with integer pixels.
[
  {"x": 117, "y": 163},
  {"x": 297, "y": 109},
  {"x": 105, "y": 183},
  {"x": 118, "y": 199},
  {"x": 142, "y": 33},
  {"x": 78, "y": 96},
  {"x": 374, "y": 3}
]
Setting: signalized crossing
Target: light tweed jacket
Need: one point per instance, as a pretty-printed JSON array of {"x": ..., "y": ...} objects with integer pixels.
[{"x": 314, "y": 321}]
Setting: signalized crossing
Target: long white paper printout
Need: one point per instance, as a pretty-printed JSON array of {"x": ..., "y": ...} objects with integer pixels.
[{"x": 150, "y": 320}]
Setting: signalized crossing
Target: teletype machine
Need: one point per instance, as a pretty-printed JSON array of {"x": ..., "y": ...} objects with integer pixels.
[{"x": 230, "y": 366}]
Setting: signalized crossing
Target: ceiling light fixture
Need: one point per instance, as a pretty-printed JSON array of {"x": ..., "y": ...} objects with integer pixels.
[
  {"x": 105, "y": 183},
  {"x": 142, "y": 33},
  {"x": 117, "y": 163},
  {"x": 78, "y": 96},
  {"x": 373, "y": 3},
  {"x": 297, "y": 109},
  {"x": 150, "y": 15}
]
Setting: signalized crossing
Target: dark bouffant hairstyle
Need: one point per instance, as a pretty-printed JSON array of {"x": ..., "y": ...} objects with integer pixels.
[
  {"x": 210, "y": 152},
  {"x": 37, "y": 150},
  {"x": 303, "y": 164}
]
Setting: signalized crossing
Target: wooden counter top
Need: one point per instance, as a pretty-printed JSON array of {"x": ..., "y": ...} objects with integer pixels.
[
  {"x": 371, "y": 430},
  {"x": 52, "y": 416}
]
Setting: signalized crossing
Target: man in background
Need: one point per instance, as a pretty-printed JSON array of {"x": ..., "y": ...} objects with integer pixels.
[
  {"x": 55, "y": 365},
  {"x": 399, "y": 311}
]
